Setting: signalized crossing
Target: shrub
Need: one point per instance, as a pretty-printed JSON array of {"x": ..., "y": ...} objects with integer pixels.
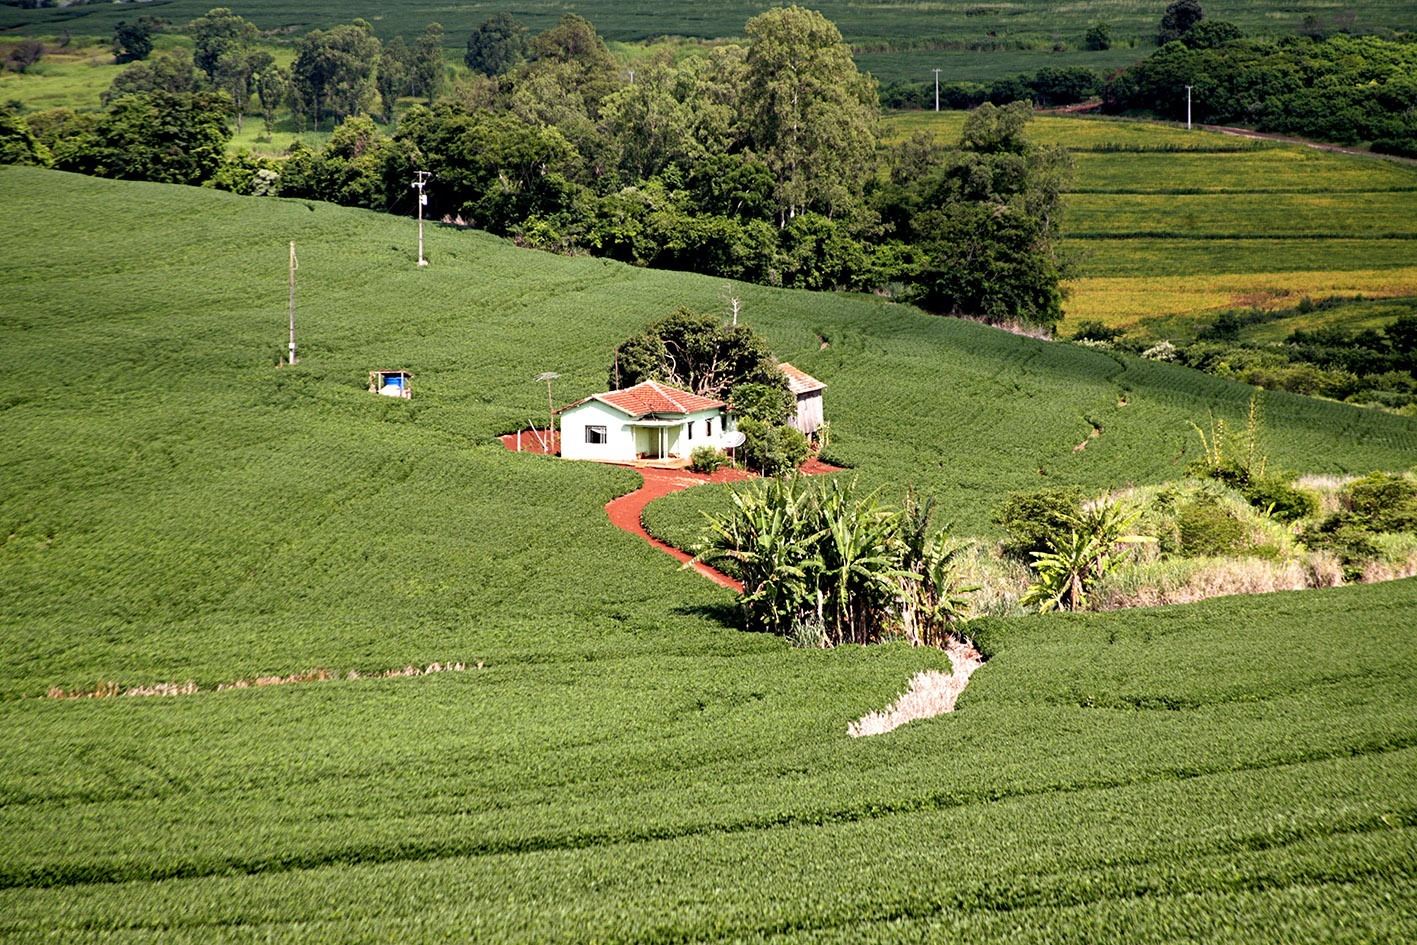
[
  {"x": 1034, "y": 520},
  {"x": 1096, "y": 331},
  {"x": 765, "y": 403},
  {"x": 1208, "y": 529},
  {"x": 771, "y": 450},
  {"x": 1281, "y": 500},
  {"x": 1384, "y": 502},
  {"x": 707, "y": 460},
  {"x": 1346, "y": 537}
]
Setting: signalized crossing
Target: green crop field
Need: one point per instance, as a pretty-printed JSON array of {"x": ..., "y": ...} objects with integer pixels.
[
  {"x": 1172, "y": 225},
  {"x": 895, "y": 41},
  {"x": 616, "y": 761}
]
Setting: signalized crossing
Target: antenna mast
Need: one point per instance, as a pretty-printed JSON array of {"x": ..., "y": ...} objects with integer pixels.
[
  {"x": 294, "y": 264},
  {"x": 420, "y": 183}
]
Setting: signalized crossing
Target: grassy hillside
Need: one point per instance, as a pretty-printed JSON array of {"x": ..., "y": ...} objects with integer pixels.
[
  {"x": 624, "y": 764},
  {"x": 894, "y": 40},
  {"x": 1169, "y": 224}
]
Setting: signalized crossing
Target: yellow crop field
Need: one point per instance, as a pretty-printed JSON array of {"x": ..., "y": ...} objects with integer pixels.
[{"x": 1145, "y": 304}]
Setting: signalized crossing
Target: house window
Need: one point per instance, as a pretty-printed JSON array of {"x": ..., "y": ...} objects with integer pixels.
[
  {"x": 708, "y": 427},
  {"x": 691, "y": 429},
  {"x": 596, "y": 435}
]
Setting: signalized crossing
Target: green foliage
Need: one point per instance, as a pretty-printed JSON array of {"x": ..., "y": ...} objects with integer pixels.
[
  {"x": 1346, "y": 89},
  {"x": 496, "y": 46},
  {"x": 1208, "y": 528},
  {"x": 169, "y": 137},
  {"x": 132, "y": 41},
  {"x": 333, "y": 73},
  {"x": 772, "y": 450},
  {"x": 696, "y": 351},
  {"x": 1181, "y": 17},
  {"x": 1386, "y": 502},
  {"x": 1033, "y": 519},
  {"x": 18, "y": 145},
  {"x": 1098, "y": 36},
  {"x": 176, "y": 507},
  {"x": 1279, "y": 499},
  {"x": 836, "y": 566},
  {"x": 707, "y": 460},
  {"x": 771, "y": 404},
  {"x": 1073, "y": 562},
  {"x": 811, "y": 116}
]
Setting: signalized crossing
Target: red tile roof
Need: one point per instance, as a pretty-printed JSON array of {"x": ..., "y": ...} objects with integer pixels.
[
  {"x": 800, "y": 381},
  {"x": 652, "y": 397}
]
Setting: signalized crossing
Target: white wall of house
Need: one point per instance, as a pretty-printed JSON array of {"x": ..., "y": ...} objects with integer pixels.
[
  {"x": 619, "y": 445},
  {"x": 624, "y": 441}
]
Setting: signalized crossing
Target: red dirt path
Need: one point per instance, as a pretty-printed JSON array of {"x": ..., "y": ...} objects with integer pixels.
[{"x": 627, "y": 512}]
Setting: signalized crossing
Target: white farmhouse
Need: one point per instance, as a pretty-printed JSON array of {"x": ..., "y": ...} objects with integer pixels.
[
  {"x": 648, "y": 421},
  {"x": 808, "y": 391}
]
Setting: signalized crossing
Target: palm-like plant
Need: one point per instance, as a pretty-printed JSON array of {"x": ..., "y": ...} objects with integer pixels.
[
  {"x": 1074, "y": 562},
  {"x": 850, "y": 566}
]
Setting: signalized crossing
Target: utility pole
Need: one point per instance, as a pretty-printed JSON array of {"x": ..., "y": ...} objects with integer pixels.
[
  {"x": 1188, "y": 108},
  {"x": 293, "y": 266},
  {"x": 423, "y": 178},
  {"x": 548, "y": 377},
  {"x": 937, "y": 90}
]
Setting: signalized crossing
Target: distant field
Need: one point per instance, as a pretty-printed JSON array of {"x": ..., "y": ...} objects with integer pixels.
[
  {"x": 1169, "y": 224},
  {"x": 896, "y": 41},
  {"x": 616, "y": 761}
]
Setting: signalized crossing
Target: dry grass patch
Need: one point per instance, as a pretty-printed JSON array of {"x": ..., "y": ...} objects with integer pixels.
[{"x": 931, "y": 693}]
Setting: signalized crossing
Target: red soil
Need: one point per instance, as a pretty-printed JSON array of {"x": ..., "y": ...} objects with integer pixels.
[{"x": 626, "y": 513}]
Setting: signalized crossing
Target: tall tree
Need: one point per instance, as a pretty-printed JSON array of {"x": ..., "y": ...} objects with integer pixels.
[
  {"x": 392, "y": 77},
  {"x": 426, "y": 63},
  {"x": 219, "y": 34},
  {"x": 131, "y": 41},
  {"x": 1178, "y": 19},
  {"x": 810, "y": 114},
  {"x": 987, "y": 224},
  {"x": 497, "y": 46},
  {"x": 333, "y": 72}
]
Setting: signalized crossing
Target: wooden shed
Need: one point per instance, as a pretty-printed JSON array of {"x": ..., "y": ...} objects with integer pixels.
[{"x": 808, "y": 391}]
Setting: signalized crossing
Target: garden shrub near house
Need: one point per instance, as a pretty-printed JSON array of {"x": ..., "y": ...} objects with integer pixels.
[
  {"x": 772, "y": 450},
  {"x": 707, "y": 460}
]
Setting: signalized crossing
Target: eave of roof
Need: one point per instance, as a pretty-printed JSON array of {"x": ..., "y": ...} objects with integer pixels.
[{"x": 800, "y": 381}]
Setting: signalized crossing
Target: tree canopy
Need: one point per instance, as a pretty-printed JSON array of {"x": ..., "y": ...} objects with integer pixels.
[{"x": 696, "y": 351}]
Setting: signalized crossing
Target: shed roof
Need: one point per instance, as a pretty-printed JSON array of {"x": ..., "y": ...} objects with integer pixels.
[
  {"x": 800, "y": 381},
  {"x": 651, "y": 397}
]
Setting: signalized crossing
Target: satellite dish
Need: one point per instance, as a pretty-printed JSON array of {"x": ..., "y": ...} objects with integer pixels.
[{"x": 733, "y": 440}]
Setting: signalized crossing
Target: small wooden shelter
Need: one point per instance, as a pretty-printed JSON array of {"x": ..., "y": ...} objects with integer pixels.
[
  {"x": 391, "y": 383},
  {"x": 808, "y": 391}
]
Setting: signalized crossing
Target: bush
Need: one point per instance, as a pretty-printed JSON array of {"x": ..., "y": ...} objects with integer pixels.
[
  {"x": 1210, "y": 530},
  {"x": 771, "y": 450},
  {"x": 1096, "y": 331},
  {"x": 1347, "y": 537},
  {"x": 707, "y": 460},
  {"x": 1384, "y": 502},
  {"x": 1034, "y": 520},
  {"x": 764, "y": 403},
  {"x": 1280, "y": 499}
]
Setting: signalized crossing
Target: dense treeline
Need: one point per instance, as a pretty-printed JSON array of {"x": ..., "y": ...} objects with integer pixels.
[
  {"x": 1346, "y": 89},
  {"x": 1341, "y": 88},
  {"x": 757, "y": 161}
]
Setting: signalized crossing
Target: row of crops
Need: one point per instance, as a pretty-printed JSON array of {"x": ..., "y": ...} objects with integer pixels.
[{"x": 625, "y": 763}]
